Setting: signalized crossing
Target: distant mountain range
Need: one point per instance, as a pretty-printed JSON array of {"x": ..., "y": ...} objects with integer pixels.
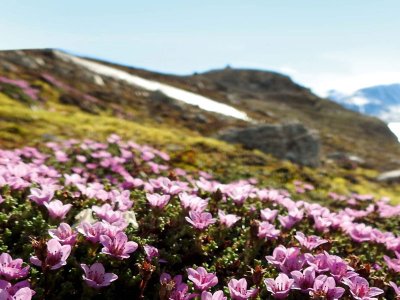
[{"x": 382, "y": 101}]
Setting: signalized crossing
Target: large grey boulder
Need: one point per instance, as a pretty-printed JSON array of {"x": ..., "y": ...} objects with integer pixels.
[{"x": 285, "y": 141}]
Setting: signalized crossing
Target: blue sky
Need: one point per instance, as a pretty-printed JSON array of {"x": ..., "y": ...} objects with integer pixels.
[{"x": 338, "y": 44}]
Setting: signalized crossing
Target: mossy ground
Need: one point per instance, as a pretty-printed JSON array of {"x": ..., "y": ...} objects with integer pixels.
[{"x": 26, "y": 124}]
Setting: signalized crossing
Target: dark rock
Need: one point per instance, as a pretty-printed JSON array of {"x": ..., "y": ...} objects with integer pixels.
[
  {"x": 82, "y": 102},
  {"x": 346, "y": 160},
  {"x": 8, "y": 67},
  {"x": 201, "y": 118},
  {"x": 287, "y": 141},
  {"x": 21, "y": 59}
]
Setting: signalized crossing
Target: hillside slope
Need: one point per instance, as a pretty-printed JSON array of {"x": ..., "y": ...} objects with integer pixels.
[
  {"x": 274, "y": 98},
  {"x": 35, "y": 108},
  {"x": 264, "y": 96}
]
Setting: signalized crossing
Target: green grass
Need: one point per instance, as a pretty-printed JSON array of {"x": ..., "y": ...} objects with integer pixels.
[{"x": 22, "y": 125}]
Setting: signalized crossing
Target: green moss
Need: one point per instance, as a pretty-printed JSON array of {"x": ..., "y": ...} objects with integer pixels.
[{"x": 21, "y": 125}]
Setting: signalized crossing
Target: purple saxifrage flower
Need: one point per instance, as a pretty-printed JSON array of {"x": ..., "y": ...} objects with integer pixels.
[
  {"x": 279, "y": 287},
  {"x": 309, "y": 242},
  {"x": 238, "y": 289},
  {"x": 267, "y": 231},
  {"x": 393, "y": 263},
  {"x": 360, "y": 290},
  {"x": 18, "y": 291},
  {"x": 96, "y": 277},
  {"x": 201, "y": 279},
  {"x": 218, "y": 295},
  {"x": 325, "y": 287},
  {"x": 40, "y": 196},
  {"x": 64, "y": 234},
  {"x": 118, "y": 246},
  {"x": 227, "y": 220},
  {"x": 11, "y": 269},
  {"x": 200, "y": 220},
  {"x": 151, "y": 252},
  {"x": 56, "y": 256},
  {"x": 304, "y": 281},
  {"x": 57, "y": 210},
  {"x": 396, "y": 289},
  {"x": 157, "y": 200}
]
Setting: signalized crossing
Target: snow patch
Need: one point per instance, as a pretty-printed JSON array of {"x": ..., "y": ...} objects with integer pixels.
[
  {"x": 98, "y": 80},
  {"x": 150, "y": 85},
  {"x": 395, "y": 128}
]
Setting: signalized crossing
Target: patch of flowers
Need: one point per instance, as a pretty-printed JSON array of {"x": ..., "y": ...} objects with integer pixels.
[
  {"x": 117, "y": 220},
  {"x": 22, "y": 85}
]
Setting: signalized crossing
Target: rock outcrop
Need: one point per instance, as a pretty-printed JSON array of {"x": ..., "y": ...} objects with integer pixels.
[{"x": 293, "y": 142}]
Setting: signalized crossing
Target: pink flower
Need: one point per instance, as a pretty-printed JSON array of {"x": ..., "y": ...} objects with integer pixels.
[
  {"x": 157, "y": 200},
  {"x": 202, "y": 279},
  {"x": 151, "y": 252},
  {"x": 267, "y": 231},
  {"x": 64, "y": 234},
  {"x": 268, "y": 215},
  {"x": 360, "y": 232},
  {"x": 287, "y": 260},
  {"x": 360, "y": 290},
  {"x": 57, "y": 210},
  {"x": 396, "y": 289},
  {"x": 200, "y": 220},
  {"x": 295, "y": 215},
  {"x": 218, "y": 295},
  {"x": 181, "y": 290},
  {"x": 18, "y": 291},
  {"x": 73, "y": 178},
  {"x": 12, "y": 269},
  {"x": 56, "y": 256},
  {"x": 304, "y": 281},
  {"x": 227, "y": 219},
  {"x": 393, "y": 263},
  {"x": 106, "y": 212},
  {"x": 279, "y": 287},
  {"x": 339, "y": 269},
  {"x": 322, "y": 224},
  {"x": 278, "y": 256},
  {"x": 319, "y": 261},
  {"x": 92, "y": 232},
  {"x": 239, "y": 193},
  {"x": 310, "y": 242},
  {"x": 325, "y": 287},
  {"x": 96, "y": 277},
  {"x": 118, "y": 246},
  {"x": 40, "y": 196},
  {"x": 192, "y": 202},
  {"x": 238, "y": 289},
  {"x": 121, "y": 200}
]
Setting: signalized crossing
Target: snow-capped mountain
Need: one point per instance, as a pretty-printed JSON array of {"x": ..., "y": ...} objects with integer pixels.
[{"x": 382, "y": 101}]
